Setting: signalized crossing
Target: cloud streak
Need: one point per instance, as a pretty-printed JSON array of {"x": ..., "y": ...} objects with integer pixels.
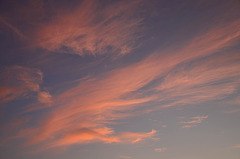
[
  {"x": 93, "y": 29},
  {"x": 160, "y": 149},
  {"x": 19, "y": 81},
  {"x": 83, "y": 112},
  {"x": 194, "y": 121},
  {"x": 236, "y": 146},
  {"x": 14, "y": 29},
  {"x": 198, "y": 71},
  {"x": 104, "y": 134}
]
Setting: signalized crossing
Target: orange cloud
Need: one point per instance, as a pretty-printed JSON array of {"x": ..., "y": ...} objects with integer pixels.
[
  {"x": 93, "y": 29},
  {"x": 86, "y": 136},
  {"x": 105, "y": 135},
  {"x": 18, "y": 81},
  {"x": 95, "y": 103}
]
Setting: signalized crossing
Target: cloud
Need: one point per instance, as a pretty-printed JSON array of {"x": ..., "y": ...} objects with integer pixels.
[
  {"x": 14, "y": 29},
  {"x": 188, "y": 126},
  {"x": 92, "y": 28},
  {"x": 194, "y": 121},
  {"x": 195, "y": 73},
  {"x": 136, "y": 137},
  {"x": 155, "y": 139},
  {"x": 104, "y": 134},
  {"x": 236, "y": 146},
  {"x": 44, "y": 97},
  {"x": 160, "y": 149},
  {"x": 18, "y": 81},
  {"x": 87, "y": 136}
]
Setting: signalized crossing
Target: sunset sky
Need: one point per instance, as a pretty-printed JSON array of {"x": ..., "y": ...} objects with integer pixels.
[{"x": 119, "y": 79}]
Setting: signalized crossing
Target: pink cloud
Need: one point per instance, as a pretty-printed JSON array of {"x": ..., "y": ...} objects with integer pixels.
[
  {"x": 93, "y": 29},
  {"x": 94, "y": 104},
  {"x": 236, "y": 146},
  {"x": 188, "y": 126},
  {"x": 194, "y": 121},
  {"x": 18, "y": 81},
  {"x": 44, "y": 97},
  {"x": 13, "y": 28},
  {"x": 105, "y": 135},
  {"x": 160, "y": 149}
]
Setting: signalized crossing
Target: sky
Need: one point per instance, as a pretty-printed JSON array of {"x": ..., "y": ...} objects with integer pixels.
[{"x": 119, "y": 79}]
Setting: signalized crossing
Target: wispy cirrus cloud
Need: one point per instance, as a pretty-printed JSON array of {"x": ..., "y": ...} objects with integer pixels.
[
  {"x": 18, "y": 81},
  {"x": 95, "y": 103},
  {"x": 160, "y": 149},
  {"x": 13, "y": 28},
  {"x": 105, "y": 62},
  {"x": 236, "y": 146},
  {"x": 194, "y": 121},
  {"x": 83, "y": 113},
  {"x": 94, "y": 29},
  {"x": 188, "y": 126},
  {"x": 104, "y": 134}
]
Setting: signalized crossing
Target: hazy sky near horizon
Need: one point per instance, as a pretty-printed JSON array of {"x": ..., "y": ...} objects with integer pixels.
[{"x": 119, "y": 79}]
